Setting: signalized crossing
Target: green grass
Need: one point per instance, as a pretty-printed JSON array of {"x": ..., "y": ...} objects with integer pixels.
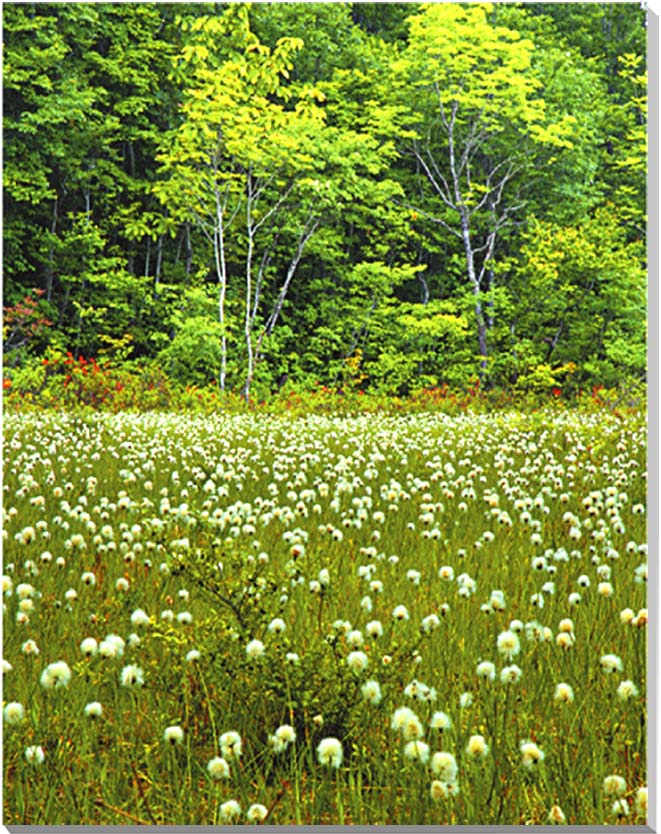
[{"x": 231, "y": 519}]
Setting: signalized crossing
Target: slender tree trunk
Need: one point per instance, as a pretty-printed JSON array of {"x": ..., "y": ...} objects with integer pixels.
[
  {"x": 490, "y": 284},
  {"x": 219, "y": 254},
  {"x": 309, "y": 229},
  {"x": 248, "y": 318},
  {"x": 159, "y": 262},
  {"x": 468, "y": 247},
  {"x": 189, "y": 251},
  {"x": 476, "y": 289},
  {"x": 51, "y": 255},
  {"x": 424, "y": 287}
]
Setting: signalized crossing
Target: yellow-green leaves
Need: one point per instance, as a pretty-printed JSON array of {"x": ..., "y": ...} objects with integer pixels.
[{"x": 457, "y": 54}]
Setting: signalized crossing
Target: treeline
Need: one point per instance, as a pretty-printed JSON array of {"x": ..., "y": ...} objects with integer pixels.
[{"x": 398, "y": 196}]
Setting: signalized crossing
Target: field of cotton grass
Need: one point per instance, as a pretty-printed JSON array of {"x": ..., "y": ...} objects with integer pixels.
[{"x": 370, "y": 620}]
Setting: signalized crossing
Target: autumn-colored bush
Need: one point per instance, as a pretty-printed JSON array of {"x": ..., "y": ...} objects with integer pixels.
[{"x": 62, "y": 381}]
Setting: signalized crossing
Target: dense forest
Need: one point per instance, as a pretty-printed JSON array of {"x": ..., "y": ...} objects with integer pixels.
[{"x": 405, "y": 195}]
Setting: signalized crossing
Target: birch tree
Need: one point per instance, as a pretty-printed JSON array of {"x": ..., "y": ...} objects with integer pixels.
[
  {"x": 242, "y": 160},
  {"x": 477, "y": 113}
]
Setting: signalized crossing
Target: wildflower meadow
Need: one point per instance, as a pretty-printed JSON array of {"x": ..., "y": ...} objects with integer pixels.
[{"x": 371, "y": 619}]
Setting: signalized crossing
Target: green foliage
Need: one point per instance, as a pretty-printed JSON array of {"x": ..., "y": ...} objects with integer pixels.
[
  {"x": 449, "y": 188},
  {"x": 193, "y": 356},
  {"x": 582, "y": 290}
]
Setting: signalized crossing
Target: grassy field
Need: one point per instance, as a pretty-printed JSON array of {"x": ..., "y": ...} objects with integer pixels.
[{"x": 374, "y": 620}]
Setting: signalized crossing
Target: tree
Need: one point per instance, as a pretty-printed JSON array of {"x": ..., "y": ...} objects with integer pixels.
[
  {"x": 580, "y": 294},
  {"x": 85, "y": 98},
  {"x": 476, "y": 117},
  {"x": 255, "y": 166},
  {"x": 238, "y": 156}
]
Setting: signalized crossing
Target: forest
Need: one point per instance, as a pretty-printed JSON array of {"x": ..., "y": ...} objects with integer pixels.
[{"x": 392, "y": 197}]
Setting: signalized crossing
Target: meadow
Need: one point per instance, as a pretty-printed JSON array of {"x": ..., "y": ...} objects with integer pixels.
[{"x": 414, "y": 619}]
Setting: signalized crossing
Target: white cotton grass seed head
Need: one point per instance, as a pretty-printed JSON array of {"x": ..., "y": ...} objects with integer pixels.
[
  {"x": 407, "y": 724},
  {"x": 611, "y": 663},
  {"x": 257, "y": 813},
  {"x": 56, "y": 675},
  {"x": 93, "y": 710},
  {"x": 565, "y": 640},
  {"x": 640, "y": 619},
  {"x": 556, "y": 816},
  {"x": 230, "y": 811},
  {"x": 357, "y": 662},
  {"x": 218, "y": 768},
  {"x": 374, "y": 629},
  {"x": 626, "y": 616},
  {"x": 13, "y": 713},
  {"x": 627, "y": 690},
  {"x": 486, "y": 671},
  {"x": 371, "y": 692},
  {"x": 640, "y": 802},
  {"x": 564, "y": 694},
  {"x": 497, "y": 600},
  {"x": 116, "y": 641},
  {"x": 283, "y": 737},
  {"x": 440, "y": 721},
  {"x": 89, "y": 647},
  {"x": 417, "y": 751},
  {"x": 173, "y": 735},
  {"x": 25, "y": 591},
  {"x": 510, "y": 674},
  {"x": 443, "y": 790},
  {"x": 413, "y": 576},
  {"x": 614, "y": 785},
  {"x": 620, "y": 808},
  {"x": 400, "y": 613},
  {"x": 139, "y": 617},
  {"x": 255, "y": 649},
  {"x": 35, "y": 754},
  {"x": 508, "y": 644},
  {"x": 444, "y": 766},
  {"x": 231, "y": 745},
  {"x": 477, "y": 747},
  {"x": 355, "y": 639},
  {"x": 277, "y": 626},
  {"x": 110, "y": 649},
  {"x": 132, "y": 676},
  {"x": 531, "y": 755},
  {"x": 329, "y": 752},
  {"x": 430, "y": 623},
  {"x": 416, "y": 690}
]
